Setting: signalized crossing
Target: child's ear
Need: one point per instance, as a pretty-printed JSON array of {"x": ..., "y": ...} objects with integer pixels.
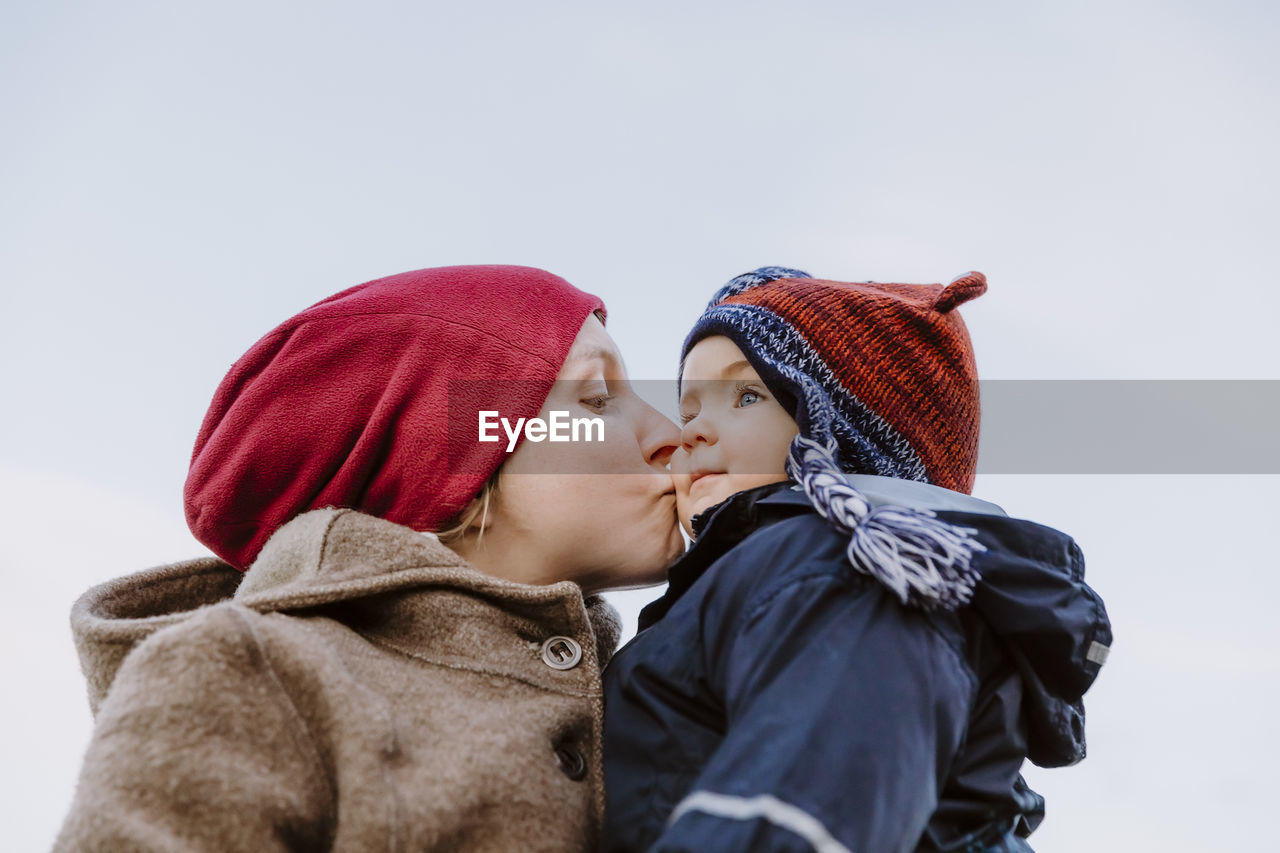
[{"x": 960, "y": 290}]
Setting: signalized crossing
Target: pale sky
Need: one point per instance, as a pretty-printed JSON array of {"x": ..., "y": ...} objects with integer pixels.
[{"x": 176, "y": 181}]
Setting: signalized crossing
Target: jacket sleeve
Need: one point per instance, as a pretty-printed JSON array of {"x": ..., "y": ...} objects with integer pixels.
[
  {"x": 843, "y": 710},
  {"x": 198, "y": 747}
]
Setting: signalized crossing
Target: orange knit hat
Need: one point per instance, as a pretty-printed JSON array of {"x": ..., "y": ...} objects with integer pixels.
[{"x": 887, "y": 370}]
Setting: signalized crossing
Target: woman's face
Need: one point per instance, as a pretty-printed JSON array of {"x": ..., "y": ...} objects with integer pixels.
[{"x": 597, "y": 512}]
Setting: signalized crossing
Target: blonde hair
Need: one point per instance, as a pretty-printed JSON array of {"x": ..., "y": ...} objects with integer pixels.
[
  {"x": 474, "y": 514},
  {"x": 453, "y": 529}
]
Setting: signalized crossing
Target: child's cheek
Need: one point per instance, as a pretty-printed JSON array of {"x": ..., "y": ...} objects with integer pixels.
[
  {"x": 680, "y": 479},
  {"x": 679, "y": 462},
  {"x": 684, "y": 509}
]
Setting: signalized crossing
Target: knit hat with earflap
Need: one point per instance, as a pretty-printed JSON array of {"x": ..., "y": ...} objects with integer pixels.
[
  {"x": 369, "y": 400},
  {"x": 881, "y": 379}
]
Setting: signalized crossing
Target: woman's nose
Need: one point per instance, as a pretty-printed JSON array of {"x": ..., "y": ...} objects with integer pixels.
[{"x": 660, "y": 438}]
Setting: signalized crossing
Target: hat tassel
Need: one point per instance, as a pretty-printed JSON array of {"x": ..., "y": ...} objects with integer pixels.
[{"x": 925, "y": 561}]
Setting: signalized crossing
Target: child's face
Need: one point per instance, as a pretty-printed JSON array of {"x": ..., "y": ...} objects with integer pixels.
[{"x": 735, "y": 434}]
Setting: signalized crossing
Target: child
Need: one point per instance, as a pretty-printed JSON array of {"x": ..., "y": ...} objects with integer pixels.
[{"x": 855, "y": 654}]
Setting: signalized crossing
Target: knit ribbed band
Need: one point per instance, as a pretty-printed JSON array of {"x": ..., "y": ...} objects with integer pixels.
[{"x": 886, "y": 370}]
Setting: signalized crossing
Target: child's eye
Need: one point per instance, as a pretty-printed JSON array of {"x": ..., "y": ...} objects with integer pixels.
[
  {"x": 746, "y": 395},
  {"x": 685, "y": 417}
]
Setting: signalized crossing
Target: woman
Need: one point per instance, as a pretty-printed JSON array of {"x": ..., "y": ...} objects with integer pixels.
[{"x": 364, "y": 686}]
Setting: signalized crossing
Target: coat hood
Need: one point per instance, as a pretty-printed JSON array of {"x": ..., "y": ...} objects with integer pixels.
[
  {"x": 1054, "y": 626},
  {"x": 1031, "y": 594},
  {"x": 320, "y": 558}
]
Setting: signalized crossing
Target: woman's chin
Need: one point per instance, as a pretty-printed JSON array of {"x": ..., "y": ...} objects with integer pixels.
[
  {"x": 676, "y": 545},
  {"x": 633, "y": 578},
  {"x": 650, "y": 557}
]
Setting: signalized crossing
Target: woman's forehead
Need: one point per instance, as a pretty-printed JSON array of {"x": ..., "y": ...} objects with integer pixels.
[{"x": 592, "y": 348}]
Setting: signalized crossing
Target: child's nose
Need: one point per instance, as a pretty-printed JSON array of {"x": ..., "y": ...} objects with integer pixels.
[{"x": 699, "y": 430}]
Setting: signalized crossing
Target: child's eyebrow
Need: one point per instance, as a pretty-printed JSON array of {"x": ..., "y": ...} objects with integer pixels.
[
  {"x": 689, "y": 387},
  {"x": 727, "y": 370}
]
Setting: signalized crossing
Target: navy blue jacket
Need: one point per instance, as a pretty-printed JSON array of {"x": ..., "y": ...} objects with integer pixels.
[{"x": 777, "y": 700}]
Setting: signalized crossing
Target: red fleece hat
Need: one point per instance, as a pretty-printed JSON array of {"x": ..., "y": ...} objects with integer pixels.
[{"x": 368, "y": 400}]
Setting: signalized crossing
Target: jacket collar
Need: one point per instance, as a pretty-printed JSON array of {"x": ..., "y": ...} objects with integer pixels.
[
  {"x": 719, "y": 528},
  {"x": 347, "y": 563},
  {"x": 339, "y": 555},
  {"x": 1032, "y": 594},
  {"x": 877, "y": 490},
  {"x": 724, "y": 525}
]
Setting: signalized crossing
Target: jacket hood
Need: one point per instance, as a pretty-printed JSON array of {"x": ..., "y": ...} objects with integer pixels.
[
  {"x": 1031, "y": 594},
  {"x": 320, "y": 558}
]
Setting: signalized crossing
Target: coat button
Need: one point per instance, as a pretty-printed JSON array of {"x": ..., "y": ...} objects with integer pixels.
[
  {"x": 561, "y": 653},
  {"x": 571, "y": 762}
]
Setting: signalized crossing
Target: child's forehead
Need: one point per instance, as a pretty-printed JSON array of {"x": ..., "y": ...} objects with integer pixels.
[{"x": 714, "y": 358}]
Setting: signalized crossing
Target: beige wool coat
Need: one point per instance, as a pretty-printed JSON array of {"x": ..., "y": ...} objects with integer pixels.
[{"x": 362, "y": 688}]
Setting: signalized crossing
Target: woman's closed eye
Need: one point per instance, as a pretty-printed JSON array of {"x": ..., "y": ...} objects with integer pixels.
[{"x": 597, "y": 402}]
